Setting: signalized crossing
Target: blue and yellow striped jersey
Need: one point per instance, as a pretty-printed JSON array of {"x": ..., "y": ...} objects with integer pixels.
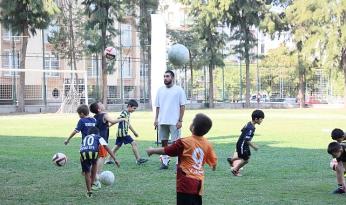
[{"x": 123, "y": 127}]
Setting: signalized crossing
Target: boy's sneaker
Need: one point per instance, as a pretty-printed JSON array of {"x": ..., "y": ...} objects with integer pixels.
[
  {"x": 163, "y": 166},
  {"x": 236, "y": 173},
  {"x": 338, "y": 191},
  {"x": 89, "y": 194},
  {"x": 229, "y": 160},
  {"x": 109, "y": 162},
  {"x": 141, "y": 161},
  {"x": 96, "y": 185}
]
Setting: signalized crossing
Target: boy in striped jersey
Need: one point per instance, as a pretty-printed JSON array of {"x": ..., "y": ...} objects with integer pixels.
[{"x": 123, "y": 136}]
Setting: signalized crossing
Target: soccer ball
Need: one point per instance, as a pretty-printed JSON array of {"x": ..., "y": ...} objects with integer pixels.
[
  {"x": 164, "y": 159},
  {"x": 178, "y": 55},
  {"x": 107, "y": 178},
  {"x": 59, "y": 159},
  {"x": 110, "y": 53},
  {"x": 333, "y": 163}
]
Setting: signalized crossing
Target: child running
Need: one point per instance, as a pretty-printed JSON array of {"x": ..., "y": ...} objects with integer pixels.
[
  {"x": 244, "y": 143},
  {"x": 123, "y": 136}
]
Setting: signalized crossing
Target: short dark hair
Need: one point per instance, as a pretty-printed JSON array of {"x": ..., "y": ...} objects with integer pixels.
[
  {"x": 257, "y": 114},
  {"x": 337, "y": 134},
  {"x": 132, "y": 103},
  {"x": 333, "y": 147},
  {"x": 93, "y": 130},
  {"x": 94, "y": 107},
  {"x": 170, "y": 72},
  {"x": 83, "y": 109},
  {"x": 201, "y": 124}
]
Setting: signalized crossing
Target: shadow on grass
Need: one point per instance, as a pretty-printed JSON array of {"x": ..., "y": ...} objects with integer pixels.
[{"x": 274, "y": 175}]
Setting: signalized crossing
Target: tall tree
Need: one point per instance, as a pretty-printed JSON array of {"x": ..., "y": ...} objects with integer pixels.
[
  {"x": 67, "y": 39},
  {"x": 24, "y": 17},
  {"x": 191, "y": 39},
  {"x": 314, "y": 26},
  {"x": 207, "y": 22},
  {"x": 102, "y": 15},
  {"x": 244, "y": 17}
]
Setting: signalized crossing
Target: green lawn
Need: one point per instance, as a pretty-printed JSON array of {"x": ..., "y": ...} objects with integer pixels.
[{"x": 291, "y": 166}]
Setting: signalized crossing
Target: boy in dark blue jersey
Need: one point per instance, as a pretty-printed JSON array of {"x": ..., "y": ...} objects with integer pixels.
[
  {"x": 244, "y": 142},
  {"x": 103, "y": 120},
  {"x": 338, "y": 151},
  {"x": 123, "y": 136},
  {"x": 89, "y": 151},
  {"x": 84, "y": 123}
]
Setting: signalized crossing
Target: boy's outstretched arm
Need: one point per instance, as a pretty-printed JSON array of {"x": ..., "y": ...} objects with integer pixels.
[
  {"x": 133, "y": 130},
  {"x": 150, "y": 151},
  {"x": 70, "y": 137},
  {"x": 113, "y": 121},
  {"x": 112, "y": 155},
  {"x": 255, "y": 147}
]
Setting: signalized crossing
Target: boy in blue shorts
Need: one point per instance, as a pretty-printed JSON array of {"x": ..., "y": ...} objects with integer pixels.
[
  {"x": 244, "y": 142},
  {"x": 89, "y": 151},
  {"x": 123, "y": 136},
  {"x": 84, "y": 123},
  {"x": 103, "y": 120}
]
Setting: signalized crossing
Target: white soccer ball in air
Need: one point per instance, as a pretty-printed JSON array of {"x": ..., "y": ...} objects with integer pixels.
[
  {"x": 110, "y": 53},
  {"x": 59, "y": 159},
  {"x": 107, "y": 178},
  {"x": 178, "y": 55}
]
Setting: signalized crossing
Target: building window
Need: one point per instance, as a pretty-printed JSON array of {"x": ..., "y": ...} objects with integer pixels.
[
  {"x": 7, "y": 35},
  {"x": 5, "y": 92},
  {"x": 55, "y": 93},
  {"x": 49, "y": 32},
  {"x": 8, "y": 60},
  {"x": 92, "y": 67},
  {"x": 51, "y": 62},
  {"x": 126, "y": 67},
  {"x": 129, "y": 92},
  {"x": 126, "y": 37},
  {"x": 112, "y": 92}
]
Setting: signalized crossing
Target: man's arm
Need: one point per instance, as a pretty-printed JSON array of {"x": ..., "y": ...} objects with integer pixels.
[
  {"x": 181, "y": 115},
  {"x": 156, "y": 116}
]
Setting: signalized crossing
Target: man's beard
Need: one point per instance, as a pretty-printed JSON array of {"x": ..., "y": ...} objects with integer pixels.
[{"x": 167, "y": 82}]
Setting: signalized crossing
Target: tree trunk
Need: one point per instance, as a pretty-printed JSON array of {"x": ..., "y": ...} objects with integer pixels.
[
  {"x": 104, "y": 92},
  {"x": 247, "y": 65},
  {"x": 301, "y": 76},
  {"x": 73, "y": 50},
  {"x": 211, "y": 86},
  {"x": 21, "y": 87},
  {"x": 343, "y": 59}
]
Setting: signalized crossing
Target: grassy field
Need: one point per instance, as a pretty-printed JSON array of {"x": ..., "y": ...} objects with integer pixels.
[{"x": 291, "y": 166}]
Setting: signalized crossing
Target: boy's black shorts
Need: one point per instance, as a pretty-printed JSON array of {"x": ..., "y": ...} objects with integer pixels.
[
  {"x": 88, "y": 159},
  {"x": 188, "y": 199},
  {"x": 243, "y": 151}
]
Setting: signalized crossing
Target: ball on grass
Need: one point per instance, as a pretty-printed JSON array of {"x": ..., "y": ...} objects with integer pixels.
[{"x": 107, "y": 178}]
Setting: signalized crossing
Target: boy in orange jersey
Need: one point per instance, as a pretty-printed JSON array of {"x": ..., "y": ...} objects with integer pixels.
[{"x": 193, "y": 152}]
